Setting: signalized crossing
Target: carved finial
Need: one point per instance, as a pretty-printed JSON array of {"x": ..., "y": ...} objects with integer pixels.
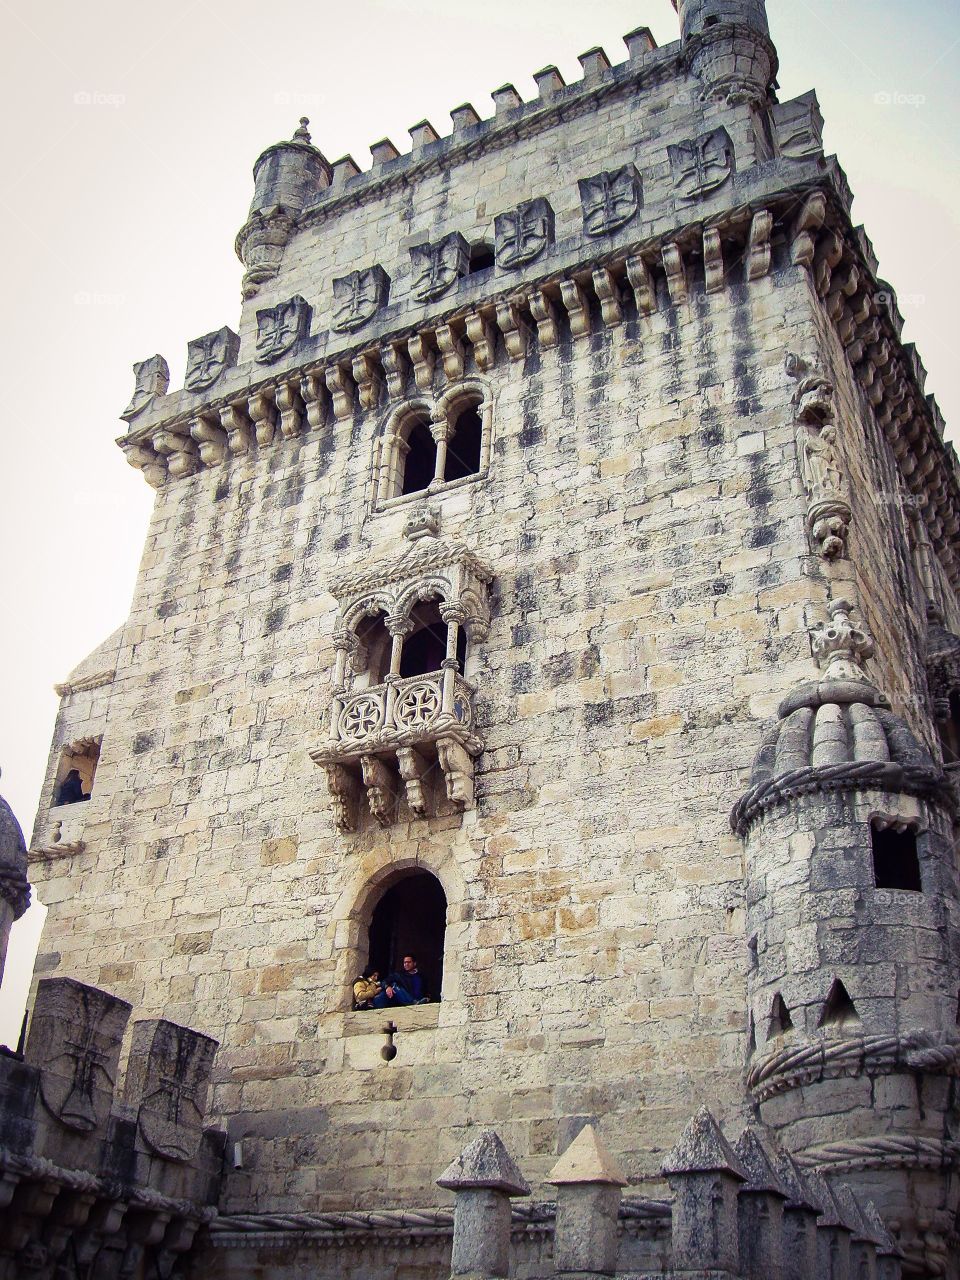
[
  {"x": 839, "y": 647},
  {"x": 302, "y": 134}
]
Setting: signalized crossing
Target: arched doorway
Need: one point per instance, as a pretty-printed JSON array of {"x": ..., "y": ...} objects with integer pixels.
[{"x": 410, "y": 919}]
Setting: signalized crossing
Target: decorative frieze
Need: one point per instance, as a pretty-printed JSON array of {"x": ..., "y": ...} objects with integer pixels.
[
  {"x": 209, "y": 357},
  {"x": 701, "y": 165},
  {"x": 281, "y": 328},
  {"x": 358, "y": 297},
  {"x": 610, "y": 200}
]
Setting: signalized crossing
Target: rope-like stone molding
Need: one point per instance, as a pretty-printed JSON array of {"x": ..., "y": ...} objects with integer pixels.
[
  {"x": 402, "y": 1225},
  {"x": 85, "y": 683},
  {"x": 886, "y": 1152},
  {"x": 848, "y": 775},
  {"x": 796, "y": 1065}
]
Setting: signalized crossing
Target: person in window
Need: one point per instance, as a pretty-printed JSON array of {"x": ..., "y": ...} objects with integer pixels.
[
  {"x": 71, "y": 789},
  {"x": 366, "y": 989},
  {"x": 408, "y": 987}
]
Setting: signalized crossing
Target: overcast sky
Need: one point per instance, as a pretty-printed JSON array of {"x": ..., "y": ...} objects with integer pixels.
[{"x": 130, "y": 131}]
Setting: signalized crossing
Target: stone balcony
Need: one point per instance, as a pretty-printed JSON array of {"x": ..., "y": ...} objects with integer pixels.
[{"x": 395, "y": 741}]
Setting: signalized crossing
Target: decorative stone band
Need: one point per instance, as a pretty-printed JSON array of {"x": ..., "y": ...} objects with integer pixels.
[
  {"x": 885, "y": 1152},
  {"x": 85, "y": 683},
  {"x": 15, "y": 890},
  {"x": 862, "y": 775},
  {"x": 798, "y": 1065},
  {"x": 399, "y": 1226}
]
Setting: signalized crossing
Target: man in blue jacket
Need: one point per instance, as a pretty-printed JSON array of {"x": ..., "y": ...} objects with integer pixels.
[{"x": 408, "y": 987}]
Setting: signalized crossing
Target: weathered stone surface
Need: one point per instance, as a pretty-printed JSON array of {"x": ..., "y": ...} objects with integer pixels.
[{"x": 485, "y": 1164}]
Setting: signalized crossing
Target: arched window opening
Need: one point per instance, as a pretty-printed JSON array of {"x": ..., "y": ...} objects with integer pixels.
[
  {"x": 950, "y": 730},
  {"x": 75, "y": 774},
  {"x": 464, "y": 445},
  {"x": 420, "y": 462},
  {"x": 896, "y": 862},
  {"x": 410, "y": 920},
  {"x": 482, "y": 257},
  {"x": 377, "y": 642},
  {"x": 425, "y": 648}
]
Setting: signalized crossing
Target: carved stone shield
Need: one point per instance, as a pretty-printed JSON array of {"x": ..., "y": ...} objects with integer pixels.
[
  {"x": 610, "y": 200},
  {"x": 280, "y": 328},
  {"x": 524, "y": 233},
  {"x": 701, "y": 165},
  {"x": 75, "y": 1037},
  {"x": 209, "y": 357},
  {"x": 437, "y": 267},
  {"x": 168, "y": 1076},
  {"x": 799, "y": 127},
  {"x": 358, "y": 297},
  {"x": 151, "y": 380}
]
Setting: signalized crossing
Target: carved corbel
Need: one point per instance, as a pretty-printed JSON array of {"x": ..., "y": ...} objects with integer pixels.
[
  {"x": 291, "y": 409},
  {"x": 808, "y": 221},
  {"x": 451, "y": 350},
  {"x": 826, "y": 259},
  {"x": 366, "y": 374},
  {"x": 457, "y": 765},
  {"x": 713, "y": 272},
  {"x": 345, "y": 796},
  {"x": 381, "y": 794},
  {"x": 643, "y": 285},
  {"x": 545, "y": 316},
  {"x": 758, "y": 245},
  {"x": 342, "y": 389},
  {"x": 608, "y": 291},
  {"x": 146, "y": 460},
  {"x": 575, "y": 304},
  {"x": 413, "y": 771},
  {"x": 211, "y": 441},
  {"x": 676, "y": 271},
  {"x": 423, "y": 358},
  {"x": 511, "y": 325},
  {"x": 483, "y": 339},
  {"x": 236, "y": 426},
  {"x": 180, "y": 451},
  {"x": 263, "y": 414},
  {"x": 395, "y": 367},
  {"x": 312, "y": 388}
]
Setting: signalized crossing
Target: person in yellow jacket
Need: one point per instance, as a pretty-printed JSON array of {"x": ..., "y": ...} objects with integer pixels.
[{"x": 366, "y": 988}]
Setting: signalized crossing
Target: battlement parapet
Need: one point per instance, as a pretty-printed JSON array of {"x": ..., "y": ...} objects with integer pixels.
[{"x": 82, "y": 1169}]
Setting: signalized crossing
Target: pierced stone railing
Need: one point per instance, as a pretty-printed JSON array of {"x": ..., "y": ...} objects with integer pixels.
[{"x": 391, "y": 739}]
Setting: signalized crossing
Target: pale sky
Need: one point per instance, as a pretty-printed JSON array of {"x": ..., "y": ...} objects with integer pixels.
[{"x": 129, "y": 135}]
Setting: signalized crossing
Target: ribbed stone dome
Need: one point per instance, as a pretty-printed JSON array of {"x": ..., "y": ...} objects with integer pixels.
[
  {"x": 14, "y": 886},
  {"x": 838, "y": 733}
]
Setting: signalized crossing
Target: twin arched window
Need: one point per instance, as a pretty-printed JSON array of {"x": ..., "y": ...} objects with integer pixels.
[{"x": 427, "y": 447}]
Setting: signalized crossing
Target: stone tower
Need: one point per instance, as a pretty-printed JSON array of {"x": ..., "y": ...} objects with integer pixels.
[{"x": 548, "y": 461}]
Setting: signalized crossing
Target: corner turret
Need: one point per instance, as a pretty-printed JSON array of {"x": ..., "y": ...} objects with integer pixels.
[
  {"x": 14, "y": 888},
  {"x": 728, "y": 48},
  {"x": 285, "y": 176}
]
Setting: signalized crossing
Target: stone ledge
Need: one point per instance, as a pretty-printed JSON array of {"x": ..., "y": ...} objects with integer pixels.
[{"x": 369, "y": 1022}]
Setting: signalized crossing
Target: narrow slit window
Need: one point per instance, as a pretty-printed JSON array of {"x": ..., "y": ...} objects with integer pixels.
[{"x": 896, "y": 862}]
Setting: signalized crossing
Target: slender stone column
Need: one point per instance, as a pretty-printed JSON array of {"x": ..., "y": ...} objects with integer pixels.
[
  {"x": 484, "y": 1177},
  {"x": 588, "y": 1186}
]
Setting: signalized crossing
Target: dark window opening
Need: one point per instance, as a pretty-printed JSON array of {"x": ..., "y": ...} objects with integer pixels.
[
  {"x": 950, "y": 730},
  {"x": 426, "y": 646},
  {"x": 420, "y": 463},
  {"x": 896, "y": 864},
  {"x": 78, "y": 766},
  {"x": 376, "y": 639},
  {"x": 839, "y": 1011},
  {"x": 482, "y": 256},
  {"x": 462, "y": 649},
  {"x": 464, "y": 445},
  {"x": 712, "y": 21},
  {"x": 410, "y": 919},
  {"x": 780, "y": 1020}
]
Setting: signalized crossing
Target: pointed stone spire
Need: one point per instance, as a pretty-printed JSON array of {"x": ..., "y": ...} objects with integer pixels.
[
  {"x": 484, "y": 1177},
  {"x": 588, "y": 1184},
  {"x": 705, "y": 1175},
  {"x": 760, "y": 1206},
  {"x": 863, "y": 1246},
  {"x": 888, "y": 1255},
  {"x": 800, "y": 1213},
  {"x": 833, "y": 1234}
]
